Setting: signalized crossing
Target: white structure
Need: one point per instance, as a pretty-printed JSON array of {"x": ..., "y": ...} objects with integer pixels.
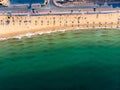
[
  {"x": 36, "y": 5},
  {"x": 61, "y": 0},
  {"x": 5, "y": 2},
  {"x": 19, "y": 5}
]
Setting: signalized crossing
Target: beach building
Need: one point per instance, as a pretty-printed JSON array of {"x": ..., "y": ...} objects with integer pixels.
[{"x": 36, "y": 5}]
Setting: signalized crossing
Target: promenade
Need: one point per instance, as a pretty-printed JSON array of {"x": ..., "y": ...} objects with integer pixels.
[{"x": 52, "y": 7}]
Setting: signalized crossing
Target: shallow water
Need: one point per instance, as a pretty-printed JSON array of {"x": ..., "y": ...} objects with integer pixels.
[{"x": 74, "y": 60}]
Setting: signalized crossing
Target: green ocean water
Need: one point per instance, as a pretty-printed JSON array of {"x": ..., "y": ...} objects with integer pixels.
[{"x": 72, "y": 60}]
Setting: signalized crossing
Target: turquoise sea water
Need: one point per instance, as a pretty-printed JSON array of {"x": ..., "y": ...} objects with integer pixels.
[{"x": 74, "y": 60}]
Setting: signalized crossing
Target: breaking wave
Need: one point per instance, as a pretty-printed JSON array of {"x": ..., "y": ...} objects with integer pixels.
[{"x": 53, "y": 31}]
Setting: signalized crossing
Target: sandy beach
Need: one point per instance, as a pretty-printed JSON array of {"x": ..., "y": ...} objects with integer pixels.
[{"x": 21, "y": 25}]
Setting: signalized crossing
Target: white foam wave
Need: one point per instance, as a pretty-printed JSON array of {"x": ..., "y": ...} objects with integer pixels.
[
  {"x": 53, "y": 31},
  {"x": 31, "y": 34}
]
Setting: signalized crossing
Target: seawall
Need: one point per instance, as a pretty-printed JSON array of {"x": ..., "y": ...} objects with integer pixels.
[{"x": 16, "y": 25}]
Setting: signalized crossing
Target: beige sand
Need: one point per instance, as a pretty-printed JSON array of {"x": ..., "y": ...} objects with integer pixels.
[{"x": 20, "y": 25}]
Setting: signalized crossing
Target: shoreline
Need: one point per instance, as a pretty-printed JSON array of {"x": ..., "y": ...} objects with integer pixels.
[
  {"x": 15, "y": 26},
  {"x": 20, "y": 35}
]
